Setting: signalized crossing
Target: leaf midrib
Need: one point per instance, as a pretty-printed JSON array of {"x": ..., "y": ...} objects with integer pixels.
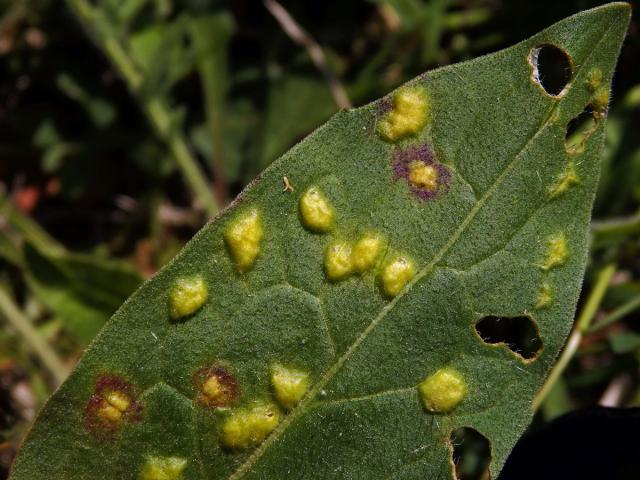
[{"x": 246, "y": 466}]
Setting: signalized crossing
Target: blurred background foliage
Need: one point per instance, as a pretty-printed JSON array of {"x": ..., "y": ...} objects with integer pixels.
[{"x": 125, "y": 124}]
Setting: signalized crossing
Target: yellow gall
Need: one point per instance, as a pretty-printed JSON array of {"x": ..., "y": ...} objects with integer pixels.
[
  {"x": 249, "y": 427},
  {"x": 409, "y": 115},
  {"x": 443, "y": 391},
  {"x": 600, "y": 99},
  {"x": 545, "y": 296},
  {"x": 113, "y": 406},
  {"x": 289, "y": 385},
  {"x": 365, "y": 252},
  {"x": 110, "y": 413},
  {"x": 243, "y": 238},
  {"x": 557, "y": 251},
  {"x": 422, "y": 175},
  {"x": 396, "y": 274},
  {"x": 594, "y": 79},
  {"x": 316, "y": 212},
  {"x": 187, "y": 296},
  {"x": 337, "y": 261},
  {"x": 565, "y": 180},
  {"x": 163, "y": 468},
  {"x": 218, "y": 388}
]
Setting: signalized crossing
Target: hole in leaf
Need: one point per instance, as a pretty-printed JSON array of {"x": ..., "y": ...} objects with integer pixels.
[
  {"x": 552, "y": 68},
  {"x": 519, "y": 334},
  {"x": 470, "y": 453},
  {"x": 579, "y": 129}
]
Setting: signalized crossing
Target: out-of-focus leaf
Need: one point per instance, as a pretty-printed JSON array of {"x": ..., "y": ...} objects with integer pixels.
[
  {"x": 100, "y": 111},
  {"x": 210, "y": 35},
  {"x": 624, "y": 342},
  {"x": 164, "y": 54},
  {"x": 83, "y": 291},
  {"x": 240, "y": 122},
  {"x": 296, "y": 105}
]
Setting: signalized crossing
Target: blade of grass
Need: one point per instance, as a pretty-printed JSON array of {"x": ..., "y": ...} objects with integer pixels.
[
  {"x": 620, "y": 312},
  {"x": 10, "y": 310},
  {"x": 619, "y": 228}
]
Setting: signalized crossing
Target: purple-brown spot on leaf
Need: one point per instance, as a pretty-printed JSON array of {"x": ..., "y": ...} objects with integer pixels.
[
  {"x": 112, "y": 404},
  {"x": 216, "y": 387},
  {"x": 425, "y": 176}
]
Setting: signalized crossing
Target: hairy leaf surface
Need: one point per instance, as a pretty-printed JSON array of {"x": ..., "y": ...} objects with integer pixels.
[{"x": 335, "y": 328}]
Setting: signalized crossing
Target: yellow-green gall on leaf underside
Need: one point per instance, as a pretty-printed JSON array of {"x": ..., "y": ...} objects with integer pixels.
[
  {"x": 316, "y": 212},
  {"x": 564, "y": 181},
  {"x": 289, "y": 385},
  {"x": 114, "y": 406},
  {"x": 396, "y": 274},
  {"x": 443, "y": 391},
  {"x": 408, "y": 116},
  {"x": 243, "y": 238},
  {"x": 594, "y": 79},
  {"x": 600, "y": 99},
  {"x": 163, "y": 468},
  {"x": 337, "y": 261},
  {"x": 366, "y": 252},
  {"x": 248, "y": 427},
  {"x": 187, "y": 296},
  {"x": 545, "y": 296},
  {"x": 557, "y": 251}
]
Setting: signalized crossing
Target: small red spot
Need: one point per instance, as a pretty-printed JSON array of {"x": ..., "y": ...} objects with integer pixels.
[
  {"x": 98, "y": 425},
  {"x": 425, "y": 154},
  {"x": 225, "y": 385}
]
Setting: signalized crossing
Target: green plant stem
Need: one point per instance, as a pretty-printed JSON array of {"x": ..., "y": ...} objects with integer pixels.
[
  {"x": 156, "y": 110},
  {"x": 582, "y": 324},
  {"x": 620, "y": 312},
  {"x": 40, "y": 347}
]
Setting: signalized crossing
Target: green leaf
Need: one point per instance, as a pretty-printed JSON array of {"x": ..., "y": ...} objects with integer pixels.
[
  {"x": 451, "y": 202},
  {"x": 82, "y": 290},
  {"x": 295, "y": 106}
]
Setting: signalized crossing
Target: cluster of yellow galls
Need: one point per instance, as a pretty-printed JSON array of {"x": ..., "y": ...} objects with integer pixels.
[
  {"x": 249, "y": 426},
  {"x": 114, "y": 406},
  {"x": 343, "y": 259}
]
